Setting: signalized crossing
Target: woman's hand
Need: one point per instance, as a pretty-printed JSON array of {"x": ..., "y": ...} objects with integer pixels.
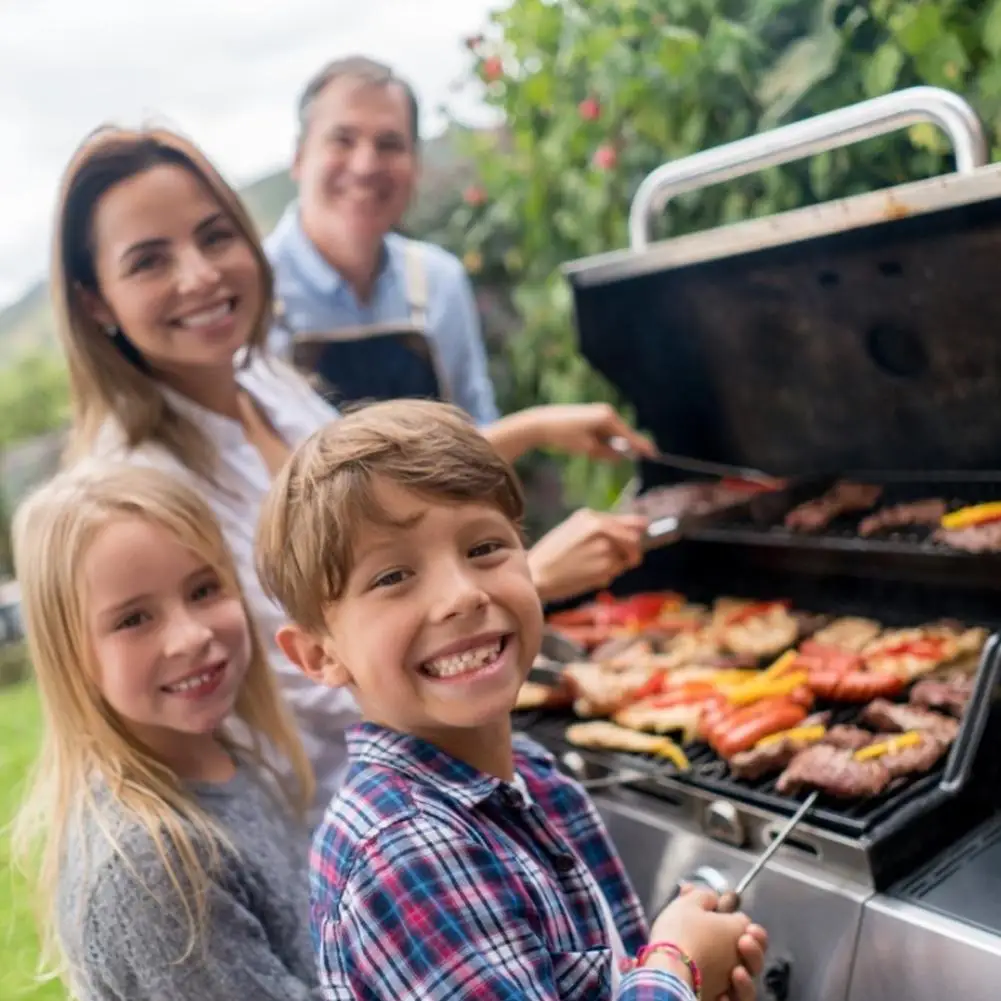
[
  {"x": 586, "y": 552},
  {"x": 578, "y": 429}
]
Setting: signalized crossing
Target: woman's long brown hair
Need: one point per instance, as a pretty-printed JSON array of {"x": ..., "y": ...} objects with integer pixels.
[{"x": 109, "y": 380}]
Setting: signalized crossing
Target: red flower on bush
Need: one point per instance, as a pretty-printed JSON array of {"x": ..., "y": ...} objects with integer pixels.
[
  {"x": 589, "y": 109},
  {"x": 474, "y": 195},
  {"x": 605, "y": 157}
]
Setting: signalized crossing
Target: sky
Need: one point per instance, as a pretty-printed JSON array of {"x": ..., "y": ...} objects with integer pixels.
[{"x": 225, "y": 72}]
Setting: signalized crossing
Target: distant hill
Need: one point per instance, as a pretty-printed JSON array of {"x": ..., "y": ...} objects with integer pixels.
[{"x": 28, "y": 323}]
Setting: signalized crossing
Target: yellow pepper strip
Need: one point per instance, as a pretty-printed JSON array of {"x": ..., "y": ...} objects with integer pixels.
[
  {"x": 806, "y": 734},
  {"x": 765, "y": 688},
  {"x": 732, "y": 679},
  {"x": 967, "y": 516},
  {"x": 781, "y": 666},
  {"x": 890, "y": 746},
  {"x": 670, "y": 750}
]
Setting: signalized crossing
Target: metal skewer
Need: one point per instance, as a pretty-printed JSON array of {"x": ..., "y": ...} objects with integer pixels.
[{"x": 732, "y": 899}]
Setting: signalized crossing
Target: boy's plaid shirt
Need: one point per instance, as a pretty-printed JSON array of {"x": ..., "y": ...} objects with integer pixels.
[{"x": 431, "y": 881}]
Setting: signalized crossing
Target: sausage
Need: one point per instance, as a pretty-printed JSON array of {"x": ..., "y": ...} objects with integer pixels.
[
  {"x": 856, "y": 686},
  {"x": 733, "y": 735}
]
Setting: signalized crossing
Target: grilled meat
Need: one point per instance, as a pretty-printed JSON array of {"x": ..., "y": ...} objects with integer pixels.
[
  {"x": 532, "y": 695},
  {"x": 774, "y": 755},
  {"x": 900, "y": 717},
  {"x": 974, "y": 539},
  {"x": 605, "y": 736},
  {"x": 919, "y": 758},
  {"x": 601, "y": 692},
  {"x": 757, "y": 630},
  {"x": 741, "y": 728},
  {"x": 923, "y": 512},
  {"x": 816, "y": 514},
  {"x": 848, "y": 737},
  {"x": 648, "y": 715},
  {"x": 685, "y": 499},
  {"x": 950, "y": 694},
  {"x": 766, "y": 760},
  {"x": 835, "y": 771},
  {"x": 850, "y": 633}
]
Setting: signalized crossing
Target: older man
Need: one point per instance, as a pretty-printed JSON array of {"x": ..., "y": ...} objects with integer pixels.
[{"x": 338, "y": 264}]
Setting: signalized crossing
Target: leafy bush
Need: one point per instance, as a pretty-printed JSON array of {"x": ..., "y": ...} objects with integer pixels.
[{"x": 597, "y": 93}]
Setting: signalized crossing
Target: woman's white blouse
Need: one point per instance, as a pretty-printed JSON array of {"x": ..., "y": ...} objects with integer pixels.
[{"x": 295, "y": 412}]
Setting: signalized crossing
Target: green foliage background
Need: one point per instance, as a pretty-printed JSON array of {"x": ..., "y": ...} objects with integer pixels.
[
  {"x": 670, "y": 77},
  {"x": 673, "y": 77}
]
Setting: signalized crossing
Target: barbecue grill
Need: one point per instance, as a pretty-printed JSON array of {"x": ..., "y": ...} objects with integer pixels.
[{"x": 854, "y": 340}]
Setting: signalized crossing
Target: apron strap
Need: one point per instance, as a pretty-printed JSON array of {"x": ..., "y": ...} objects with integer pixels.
[{"x": 415, "y": 277}]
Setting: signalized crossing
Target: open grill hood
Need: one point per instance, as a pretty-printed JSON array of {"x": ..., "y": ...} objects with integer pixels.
[{"x": 858, "y": 335}]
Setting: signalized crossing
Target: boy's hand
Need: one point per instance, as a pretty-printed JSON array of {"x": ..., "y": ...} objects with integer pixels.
[
  {"x": 716, "y": 942},
  {"x": 751, "y": 947}
]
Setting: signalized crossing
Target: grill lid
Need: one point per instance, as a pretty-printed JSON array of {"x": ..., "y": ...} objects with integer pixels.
[{"x": 858, "y": 335}]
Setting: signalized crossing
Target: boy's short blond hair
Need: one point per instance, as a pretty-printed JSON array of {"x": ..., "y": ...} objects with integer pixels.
[{"x": 306, "y": 534}]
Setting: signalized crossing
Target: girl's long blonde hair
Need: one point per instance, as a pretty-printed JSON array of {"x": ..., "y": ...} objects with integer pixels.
[
  {"x": 109, "y": 379},
  {"x": 85, "y": 744}
]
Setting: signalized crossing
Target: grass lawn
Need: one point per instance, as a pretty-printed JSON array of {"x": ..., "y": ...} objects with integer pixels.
[{"x": 19, "y": 731}]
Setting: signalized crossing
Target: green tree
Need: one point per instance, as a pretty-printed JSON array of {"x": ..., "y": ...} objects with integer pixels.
[
  {"x": 597, "y": 93},
  {"x": 34, "y": 396}
]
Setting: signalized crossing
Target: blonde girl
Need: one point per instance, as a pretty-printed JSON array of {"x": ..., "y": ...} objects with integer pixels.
[{"x": 170, "y": 863}]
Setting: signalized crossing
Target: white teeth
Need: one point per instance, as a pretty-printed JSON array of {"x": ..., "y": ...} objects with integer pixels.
[
  {"x": 189, "y": 683},
  {"x": 460, "y": 663},
  {"x": 206, "y": 317}
]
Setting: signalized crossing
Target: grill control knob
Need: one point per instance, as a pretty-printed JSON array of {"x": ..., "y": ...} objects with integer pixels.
[
  {"x": 722, "y": 822},
  {"x": 776, "y": 980},
  {"x": 710, "y": 878}
]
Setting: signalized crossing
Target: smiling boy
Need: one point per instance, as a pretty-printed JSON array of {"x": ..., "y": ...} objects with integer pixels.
[{"x": 457, "y": 861}]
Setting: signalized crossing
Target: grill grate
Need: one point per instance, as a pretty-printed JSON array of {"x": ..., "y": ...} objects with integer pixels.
[
  {"x": 761, "y": 519},
  {"x": 853, "y": 819}
]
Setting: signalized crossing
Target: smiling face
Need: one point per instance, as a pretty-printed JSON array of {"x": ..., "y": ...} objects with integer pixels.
[
  {"x": 439, "y": 621},
  {"x": 174, "y": 273},
  {"x": 172, "y": 647},
  {"x": 357, "y": 164}
]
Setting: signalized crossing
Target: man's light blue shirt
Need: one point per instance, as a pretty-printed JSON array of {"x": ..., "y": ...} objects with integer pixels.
[{"x": 315, "y": 298}]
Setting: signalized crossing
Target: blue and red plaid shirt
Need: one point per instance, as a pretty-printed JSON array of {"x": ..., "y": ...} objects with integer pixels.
[{"x": 432, "y": 881}]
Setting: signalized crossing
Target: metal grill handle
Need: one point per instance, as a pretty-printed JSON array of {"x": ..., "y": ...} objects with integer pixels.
[{"x": 831, "y": 130}]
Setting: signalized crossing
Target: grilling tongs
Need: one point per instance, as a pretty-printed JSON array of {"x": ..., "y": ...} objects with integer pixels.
[
  {"x": 686, "y": 464},
  {"x": 730, "y": 901}
]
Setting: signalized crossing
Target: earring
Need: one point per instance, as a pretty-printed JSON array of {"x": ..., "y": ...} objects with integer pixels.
[{"x": 112, "y": 330}]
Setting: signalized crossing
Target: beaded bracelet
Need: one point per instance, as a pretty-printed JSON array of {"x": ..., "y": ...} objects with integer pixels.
[{"x": 670, "y": 949}]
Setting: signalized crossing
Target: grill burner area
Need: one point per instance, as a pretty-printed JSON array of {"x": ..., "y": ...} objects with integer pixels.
[{"x": 851, "y": 818}]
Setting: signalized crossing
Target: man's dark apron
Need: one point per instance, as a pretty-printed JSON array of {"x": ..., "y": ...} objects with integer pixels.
[{"x": 380, "y": 361}]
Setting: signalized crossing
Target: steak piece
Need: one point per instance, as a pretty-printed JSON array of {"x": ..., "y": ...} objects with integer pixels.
[
  {"x": 848, "y": 737},
  {"x": 900, "y": 717},
  {"x": 923, "y": 512},
  {"x": 919, "y": 758},
  {"x": 975, "y": 539},
  {"x": 834, "y": 771},
  {"x": 816, "y": 514},
  {"x": 948, "y": 694},
  {"x": 685, "y": 498}
]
